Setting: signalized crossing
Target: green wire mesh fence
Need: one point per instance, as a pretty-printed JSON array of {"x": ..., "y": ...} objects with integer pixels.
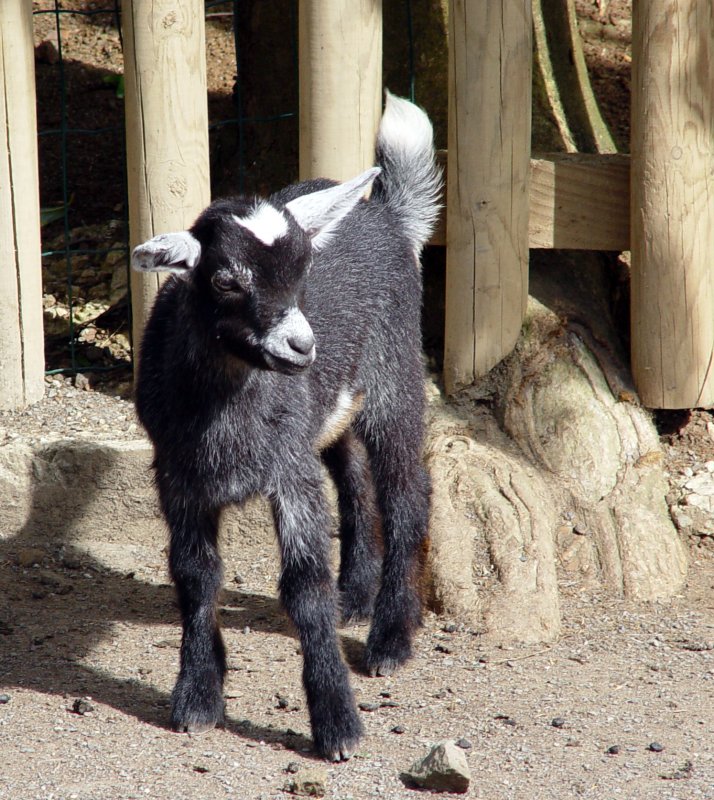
[{"x": 82, "y": 169}]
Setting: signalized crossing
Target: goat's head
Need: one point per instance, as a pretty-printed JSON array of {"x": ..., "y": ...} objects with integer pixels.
[{"x": 249, "y": 262}]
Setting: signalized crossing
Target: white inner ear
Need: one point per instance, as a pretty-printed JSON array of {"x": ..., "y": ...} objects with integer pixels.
[
  {"x": 167, "y": 252},
  {"x": 319, "y": 213},
  {"x": 265, "y": 222}
]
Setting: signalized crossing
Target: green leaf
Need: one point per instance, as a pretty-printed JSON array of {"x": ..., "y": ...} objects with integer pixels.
[
  {"x": 48, "y": 215},
  {"x": 53, "y": 213}
]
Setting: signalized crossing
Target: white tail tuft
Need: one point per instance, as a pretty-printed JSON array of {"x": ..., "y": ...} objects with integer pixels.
[
  {"x": 410, "y": 183},
  {"x": 405, "y": 127}
]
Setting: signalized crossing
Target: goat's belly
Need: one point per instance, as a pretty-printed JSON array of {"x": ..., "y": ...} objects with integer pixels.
[{"x": 347, "y": 405}]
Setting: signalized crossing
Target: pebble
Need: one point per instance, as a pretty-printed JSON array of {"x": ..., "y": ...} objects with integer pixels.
[
  {"x": 81, "y": 381},
  {"x": 655, "y": 747},
  {"x": 464, "y": 744},
  {"x": 613, "y": 750},
  {"x": 443, "y": 769},
  {"x": 82, "y": 706},
  {"x": 4, "y": 699},
  {"x": 308, "y": 783},
  {"x": 398, "y": 729},
  {"x": 506, "y": 720},
  {"x": 368, "y": 706},
  {"x": 558, "y": 722},
  {"x": 168, "y": 644},
  {"x": 684, "y": 772},
  {"x": 29, "y": 556}
]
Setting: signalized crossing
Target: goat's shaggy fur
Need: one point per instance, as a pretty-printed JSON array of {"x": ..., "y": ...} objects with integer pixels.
[{"x": 291, "y": 336}]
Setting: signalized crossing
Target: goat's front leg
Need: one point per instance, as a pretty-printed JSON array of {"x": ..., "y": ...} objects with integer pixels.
[
  {"x": 197, "y": 700},
  {"x": 308, "y": 593}
]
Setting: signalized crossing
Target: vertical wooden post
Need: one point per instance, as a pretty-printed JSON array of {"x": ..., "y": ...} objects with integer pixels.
[
  {"x": 166, "y": 127},
  {"x": 672, "y": 202},
  {"x": 22, "y": 360},
  {"x": 490, "y": 56},
  {"x": 340, "y": 73}
]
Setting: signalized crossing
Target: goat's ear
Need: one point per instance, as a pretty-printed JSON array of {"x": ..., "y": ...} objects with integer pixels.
[
  {"x": 318, "y": 213},
  {"x": 167, "y": 252}
]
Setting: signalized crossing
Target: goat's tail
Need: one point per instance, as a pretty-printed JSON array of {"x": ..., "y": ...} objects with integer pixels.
[{"x": 410, "y": 181}]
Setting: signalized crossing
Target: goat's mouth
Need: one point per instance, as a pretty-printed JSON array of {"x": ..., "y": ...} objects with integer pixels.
[{"x": 289, "y": 363}]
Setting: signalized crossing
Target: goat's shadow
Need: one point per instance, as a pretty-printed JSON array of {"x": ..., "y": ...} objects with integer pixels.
[{"x": 55, "y": 615}]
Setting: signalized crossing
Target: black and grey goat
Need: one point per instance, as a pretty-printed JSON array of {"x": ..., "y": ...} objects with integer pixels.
[{"x": 289, "y": 335}]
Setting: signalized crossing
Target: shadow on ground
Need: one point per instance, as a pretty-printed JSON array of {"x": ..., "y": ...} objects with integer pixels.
[{"x": 61, "y": 607}]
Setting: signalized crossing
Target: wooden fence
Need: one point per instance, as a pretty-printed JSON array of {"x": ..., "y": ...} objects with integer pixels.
[{"x": 500, "y": 201}]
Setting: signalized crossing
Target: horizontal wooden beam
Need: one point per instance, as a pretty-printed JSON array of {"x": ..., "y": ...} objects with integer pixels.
[{"x": 577, "y": 201}]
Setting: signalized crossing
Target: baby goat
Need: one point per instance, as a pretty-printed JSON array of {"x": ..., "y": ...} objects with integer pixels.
[{"x": 290, "y": 334}]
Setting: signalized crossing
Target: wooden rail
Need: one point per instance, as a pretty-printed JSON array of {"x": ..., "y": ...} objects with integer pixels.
[{"x": 576, "y": 201}]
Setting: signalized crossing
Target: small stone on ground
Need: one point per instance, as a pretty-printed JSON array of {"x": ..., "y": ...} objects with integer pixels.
[
  {"x": 308, "y": 783},
  {"x": 443, "y": 769}
]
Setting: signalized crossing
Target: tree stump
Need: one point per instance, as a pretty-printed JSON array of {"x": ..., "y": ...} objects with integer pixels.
[{"x": 549, "y": 466}]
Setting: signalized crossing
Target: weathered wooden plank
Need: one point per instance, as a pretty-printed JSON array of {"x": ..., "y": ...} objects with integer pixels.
[
  {"x": 673, "y": 203},
  {"x": 577, "y": 201},
  {"x": 490, "y": 58},
  {"x": 166, "y": 125},
  {"x": 340, "y": 74},
  {"x": 22, "y": 359},
  {"x": 580, "y": 202}
]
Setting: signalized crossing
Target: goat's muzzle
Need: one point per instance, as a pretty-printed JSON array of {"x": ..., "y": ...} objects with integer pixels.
[{"x": 289, "y": 346}]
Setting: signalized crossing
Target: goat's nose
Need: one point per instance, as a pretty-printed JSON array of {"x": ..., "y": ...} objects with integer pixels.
[{"x": 302, "y": 342}]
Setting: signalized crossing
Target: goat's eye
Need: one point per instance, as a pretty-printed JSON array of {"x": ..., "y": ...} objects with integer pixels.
[{"x": 226, "y": 282}]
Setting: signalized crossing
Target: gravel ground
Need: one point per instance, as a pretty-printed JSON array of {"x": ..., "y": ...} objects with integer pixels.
[{"x": 622, "y": 705}]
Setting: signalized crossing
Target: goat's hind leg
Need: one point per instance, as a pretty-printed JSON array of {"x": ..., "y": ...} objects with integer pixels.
[
  {"x": 403, "y": 489},
  {"x": 360, "y": 556},
  {"x": 197, "y": 700}
]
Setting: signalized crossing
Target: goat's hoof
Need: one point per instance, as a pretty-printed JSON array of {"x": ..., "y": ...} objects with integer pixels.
[
  {"x": 341, "y": 751},
  {"x": 194, "y": 728},
  {"x": 382, "y": 660},
  {"x": 383, "y": 670},
  {"x": 348, "y": 618},
  {"x": 337, "y": 734},
  {"x": 343, "y": 754},
  {"x": 356, "y": 607},
  {"x": 196, "y": 711}
]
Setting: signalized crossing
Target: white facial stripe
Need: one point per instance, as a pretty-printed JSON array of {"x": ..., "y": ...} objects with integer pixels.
[{"x": 265, "y": 223}]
